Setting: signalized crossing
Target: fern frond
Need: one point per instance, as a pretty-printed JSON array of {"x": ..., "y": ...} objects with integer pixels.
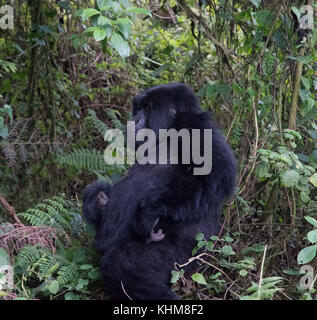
[
  {"x": 17, "y": 130},
  {"x": 84, "y": 159},
  {"x": 48, "y": 264},
  {"x": 67, "y": 273},
  {"x": 112, "y": 114},
  {"x": 51, "y": 213},
  {"x": 9, "y": 153},
  {"x": 35, "y": 217},
  {"x": 98, "y": 124},
  {"x": 28, "y": 255}
]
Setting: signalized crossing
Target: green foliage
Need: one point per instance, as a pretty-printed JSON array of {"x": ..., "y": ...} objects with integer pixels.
[
  {"x": 214, "y": 278},
  {"x": 307, "y": 254},
  {"x": 266, "y": 290},
  {"x": 93, "y": 159},
  {"x": 52, "y": 212},
  {"x": 291, "y": 169},
  {"x": 84, "y": 159},
  {"x": 112, "y": 22},
  {"x": 68, "y": 273}
]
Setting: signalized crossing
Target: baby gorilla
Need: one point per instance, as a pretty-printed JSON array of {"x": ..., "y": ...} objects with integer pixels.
[
  {"x": 136, "y": 260},
  {"x": 99, "y": 203}
]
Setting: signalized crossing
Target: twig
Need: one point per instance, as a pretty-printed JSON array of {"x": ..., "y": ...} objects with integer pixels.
[
  {"x": 261, "y": 273},
  {"x": 9, "y": 209},
  {"x": 122, "y": 286}
]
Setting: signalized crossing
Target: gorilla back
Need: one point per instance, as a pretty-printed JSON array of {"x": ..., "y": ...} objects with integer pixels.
[{"x": 137, "y": 260}]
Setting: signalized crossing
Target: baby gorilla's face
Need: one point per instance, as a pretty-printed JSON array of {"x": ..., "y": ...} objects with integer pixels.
[{"x": 102, "y": 199}]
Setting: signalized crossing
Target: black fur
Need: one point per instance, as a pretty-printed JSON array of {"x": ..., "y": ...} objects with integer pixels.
[{"x": 185, "y": 204}]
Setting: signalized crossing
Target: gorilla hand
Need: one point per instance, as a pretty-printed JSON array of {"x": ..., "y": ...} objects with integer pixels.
[{"x": 156, "y": 236}]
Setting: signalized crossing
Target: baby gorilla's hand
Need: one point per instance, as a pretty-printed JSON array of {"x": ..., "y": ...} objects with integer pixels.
[{"x": 156, "y": 236}]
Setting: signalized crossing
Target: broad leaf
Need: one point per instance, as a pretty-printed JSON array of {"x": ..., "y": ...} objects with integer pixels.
[
  {"x": 262, "y": 171},
  {"x": 87, "y": 13},
  {"x": 289, "y": 178},
  {"x": 199, "y": 278},
  {"x": 139, "y": 11},
  {"x": 102, "y": 4},
  {"x": 313, "y": 179},
  {"x": 124, "y": 25},
  {"x": 264, "y": 18},
  {"x": 307, "y": 254},
  {"x": 99, "y": 34},
  {"x": 53, "y": 287},
  {"x": 311, "y": 221},
  {"x": 256, "y": 2},
  {"x": 161, "y": 69},
  {"x": 312, "y": 236},
  {"x": 120, "y": 44},
  {"x": 102, "y": 20}
]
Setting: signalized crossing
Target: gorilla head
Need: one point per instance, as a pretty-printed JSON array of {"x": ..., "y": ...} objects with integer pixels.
[
  {"x": 137, "y": 259},
  {"x": 157, "y": 107}
]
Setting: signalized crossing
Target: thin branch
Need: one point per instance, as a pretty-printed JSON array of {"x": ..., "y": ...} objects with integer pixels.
[{"x": 9, "y": 209}]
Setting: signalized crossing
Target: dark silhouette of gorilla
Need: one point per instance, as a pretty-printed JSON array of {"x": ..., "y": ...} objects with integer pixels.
[{"x": 148, "y": 221}]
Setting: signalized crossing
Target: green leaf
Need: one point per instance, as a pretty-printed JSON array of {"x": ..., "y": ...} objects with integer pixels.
[
  {"x": 53, "y": 287},
  {"x": 139, "y": 11},
  {"x": 291, "y": 272},
  {"x": 199, "y": 278},
  {"x": 87, "y": 13},
  {"x": 306, "y": 83},
  {"x": 297, "y": 13},
  {"x": 307, "y": 254},
  {"x": 103, "y": 4},
  {"x": 4, "y": 131},
  {"x": 229, "y": 239},
  {"x": 102, "y": 20},
  {"x": 175, "y": 276},
  {"x": 4, "y": 257},
  {"x": 227, "y": 251},
  {"x": 126, "y": 3},
  {"x": 217, "y": 88},
  {"x": 312, "y": 236},
  {"x": 256, "y": 2},
  {"x": 99, "y": 34},
  {"x": 161, "y": 69},
  {"x": 264, "y": 18},
  {"x": 285, "y": 158},
  {"x": 289, "y": 178},
  {"x": 311, "y": 221},
  {"x": 86, "y": 267},
  {"x": 304, "y": 197},
  {"x": 192, "y": 62},
  {"x": 262, "y": 171},
  {"x": 243, "y": 272},
  {"x": 314, "y": 155},
  {"x": 199, "y": 237},
  {"x": 313, "y": 179},
  {"x": 120, "y": 44},
  {"x": 304, "y": 60},
  {"x": 81, "y": 284},
  {"x": 90, "y": 30},
  {"x": 124, "y": 25}
]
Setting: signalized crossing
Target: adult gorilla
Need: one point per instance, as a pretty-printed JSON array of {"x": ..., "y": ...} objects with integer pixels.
[{"x": 136, "y": 260}]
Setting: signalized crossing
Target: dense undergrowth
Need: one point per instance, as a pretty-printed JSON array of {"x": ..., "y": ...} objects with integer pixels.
[{"x": 61, "y": 88}]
